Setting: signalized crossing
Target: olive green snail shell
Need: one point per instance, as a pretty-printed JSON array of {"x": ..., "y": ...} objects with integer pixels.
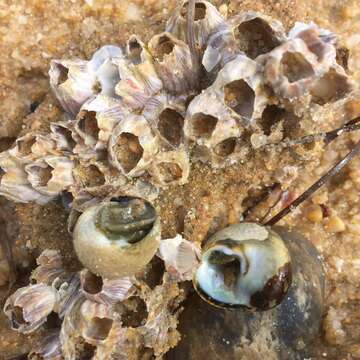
[{"x": 117, "y": 238}]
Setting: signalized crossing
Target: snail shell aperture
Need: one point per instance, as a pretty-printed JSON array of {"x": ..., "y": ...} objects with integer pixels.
[
  {"x": 117, "y": 238},
  {"x": 244, "y": 265}
]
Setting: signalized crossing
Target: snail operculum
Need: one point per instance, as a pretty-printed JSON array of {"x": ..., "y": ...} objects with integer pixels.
[
  {"x": 128, "y": 218},
  {"x": 244, "y": 265}
]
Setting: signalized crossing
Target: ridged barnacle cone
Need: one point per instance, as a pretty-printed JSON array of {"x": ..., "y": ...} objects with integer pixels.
[
  {"x": 132, "y": 145},
  {"x": 105, "y": 291},
  {"x": 14, "y": 183},
  {"x": 166, "y": 114},
  {"x": 50, "y": 267},
  {"x": 31, "y": 146},
  {"x": 207, "y": 20},
  {"x": 48, "y": 348},
  {"x": 173, "y": 63},
  {"x": 28, "y": 308},
  {"x": 96, "y": 120},
  {"x": 75, "y": 81},
  {"x": 51, "y": 175},
  {"x": 139, "y": 79}
]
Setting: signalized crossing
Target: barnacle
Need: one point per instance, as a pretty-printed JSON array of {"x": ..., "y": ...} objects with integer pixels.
[{"x": 147, "y": 120}]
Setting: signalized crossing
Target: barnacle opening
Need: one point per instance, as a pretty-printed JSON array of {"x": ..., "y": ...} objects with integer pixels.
[
  {"x": 44, "y": 175},
  {"x": 239, "y": 96},
  {"x": 92, "y": 283},
  {"x": 17, "y": 316},
  {"x": 225, "y": 147},
  {"x": 271, "y": 115},
  {"x": 133, "y": 312},
  {"x": 164, "y": 46},
  {"x": 203, "y": 125},
  {"x": 128, "y": 151},
  {"x": 295, "y": 67},
  {"x": 200, "y": 11},
  {"x": 329, "y": 88},
  {"x": 90, "y": 176},
  {"x": 99, "y": 328},
  {"x": 24, "y": 145},
  {"x": 88, "y": 124},
  {"x": 169, "y": 171},
  {"x": 6, "y": 143},
  {"x": 66, "y": 133},
  {"x": 135, "y": 50},
  {"x": 171, "y": 125},
  {"x": 63, "y": 73},
  {"x": 255, "y": 37}
]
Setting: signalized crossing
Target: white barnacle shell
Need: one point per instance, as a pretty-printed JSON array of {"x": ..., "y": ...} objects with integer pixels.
[
  {"x": 170, "y": 168},
  {"x": 50, "y": 175},
  {"x": 49, "y": 267},
  {"x": 139, "y": 80},
  {"x": 181, "y": 257},
  {"x": 105, "y": 291},
  {"x": 244, "y": 265},
  {"x": 256, "y": 33},
  {"x": 117, "y": 238},
  {"x": 173, "y": 63},
  {"x": 75, "y": 81},
  {"x": 29, "y": 307},
  {"x": 96, "y": 321},
  {"x": 165, "y": 114},
  {"x": 132, "y": 145},
  {"x": 207, "y": 20},
  {"x": 14, "y": 183},
  {"x": 48, "y": 348},
  {"x": 62, "y": 132},
  {"x": 96, "y": 120},
  {"x": 32, "y": 146}
]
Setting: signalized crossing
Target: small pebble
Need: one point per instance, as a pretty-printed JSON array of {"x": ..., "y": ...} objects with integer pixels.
[
  {"x": 315, "y": 214},
  {"x": 335, "y": 224}
]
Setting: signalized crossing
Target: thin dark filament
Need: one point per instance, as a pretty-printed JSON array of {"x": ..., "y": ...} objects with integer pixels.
[
  {"x": 318, "y": 184},
  {"x": 190, "y": 34},
  {"x": 327, "y": 137}
]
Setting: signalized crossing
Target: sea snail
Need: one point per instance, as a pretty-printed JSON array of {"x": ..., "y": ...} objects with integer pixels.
[
  {"x": 117, "y": 238},
  {"x": 244, "y": 265},
  {"x": 287, "y": 331}
]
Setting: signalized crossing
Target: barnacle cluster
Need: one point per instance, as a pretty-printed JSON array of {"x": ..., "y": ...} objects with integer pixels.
[{"x": 136, "y": 119}]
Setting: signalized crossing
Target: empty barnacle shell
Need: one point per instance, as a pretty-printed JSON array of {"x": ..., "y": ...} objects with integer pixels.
[
  {"x": 62, "y": 134},
  {"x": 206, "y": 21},
  {"x": 50, "y": 175},
  {"x": 166, "y": 114},
  {"x": 49, "y": 267},
  {"x": 28, "y": 308},
  {"x": 332, "y": 86},
  {"x": 117, "y": 238},
  {"x": 244, "y": 265},
  {"x": 48, "y": 348},
  {"x": 173, "y": 63},
  {"x": 14, "y": 183},
  {"x": 256, "y": 33},
  {"x": 75, "y": 81},
  {"x": 32, "y": 146},
  {"x": 170, "y": 168},
  {"x": 181, "y": 257},
  {"x": 105, "y": 291},
  {"x": 139, "y": 80},
  {"x": 132, "y": 145},
  {"x": 96, "y": 120},
  {"x": 96, "y": 321}
]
